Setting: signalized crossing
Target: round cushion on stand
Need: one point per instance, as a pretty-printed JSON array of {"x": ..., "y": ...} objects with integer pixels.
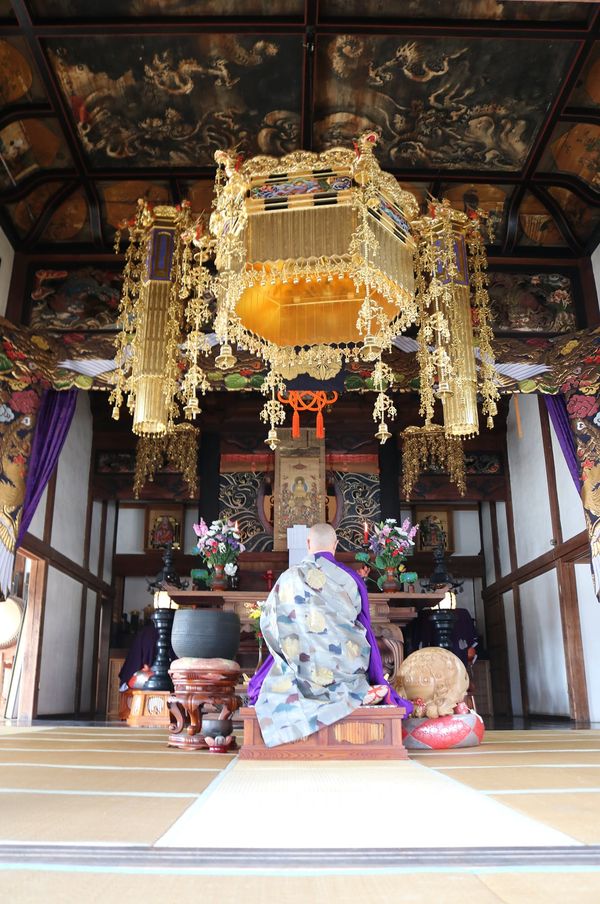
[
  {"x": 457, "y": 730},
  {"x": 191, "y": 662}
]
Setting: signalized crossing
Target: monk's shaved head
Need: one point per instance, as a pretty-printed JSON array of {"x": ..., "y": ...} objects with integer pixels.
[{"x": 321, "y": 538}]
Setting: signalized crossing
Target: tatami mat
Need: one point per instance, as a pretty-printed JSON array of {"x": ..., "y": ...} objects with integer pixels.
[
  {"x": 322, "y": 804},
  {"x": 33, "y": 888},
  {"x": 576, "y": 814},
  {"x": 101, "y": 779},
  {"x": 551, "y": 776},
  {"x": 83, "y": 819},
  {"x": 97, "y": 785}
]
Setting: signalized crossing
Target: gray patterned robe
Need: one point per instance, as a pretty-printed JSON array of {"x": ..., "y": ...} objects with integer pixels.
[{"x": 320, "y": 652}]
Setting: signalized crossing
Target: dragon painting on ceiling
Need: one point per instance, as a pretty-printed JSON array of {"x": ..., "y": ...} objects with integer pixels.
[
  {"x": 157, "y": 101},
  {"x": 523, "y": 10},
  {"x": 456, "y": 103}
]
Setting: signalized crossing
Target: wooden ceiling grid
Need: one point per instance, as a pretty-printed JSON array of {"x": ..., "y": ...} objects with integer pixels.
[{"x": 317, "y": 28}]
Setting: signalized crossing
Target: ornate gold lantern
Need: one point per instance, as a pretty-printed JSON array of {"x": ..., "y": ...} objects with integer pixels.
[
  {"x": 151, "y": 319},
  {"x": 451, "y": 263},
  {"x": 315, "y": 257}
]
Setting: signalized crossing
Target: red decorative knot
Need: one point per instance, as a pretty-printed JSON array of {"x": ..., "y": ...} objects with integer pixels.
[
  {"x": 238, "y": 162},
  {"x": 307, "y": 400}
]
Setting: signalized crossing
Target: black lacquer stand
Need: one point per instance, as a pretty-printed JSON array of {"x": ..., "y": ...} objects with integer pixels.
[{"x": 161, "y": 680}]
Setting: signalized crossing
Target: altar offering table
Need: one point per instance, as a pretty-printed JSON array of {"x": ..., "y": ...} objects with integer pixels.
[{"x": 390, "y": 612}]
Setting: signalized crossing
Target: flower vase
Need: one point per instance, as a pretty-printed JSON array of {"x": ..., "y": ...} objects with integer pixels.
[
  {"x": 219, "y": 580},
  {"x": 391, "y": 583}
]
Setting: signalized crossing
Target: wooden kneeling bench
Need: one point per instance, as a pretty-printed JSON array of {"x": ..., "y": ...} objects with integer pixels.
[{"x": 369, "y": 733}]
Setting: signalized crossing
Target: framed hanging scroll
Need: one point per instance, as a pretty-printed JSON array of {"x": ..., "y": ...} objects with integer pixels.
[{"x": 300, "y": 487}]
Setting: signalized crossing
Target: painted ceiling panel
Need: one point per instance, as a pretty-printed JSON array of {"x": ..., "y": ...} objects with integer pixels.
[
  {"x": 19, "y": 79},
  {"x": 575, "y": 149},
  {"x": 493, "y": 199},
  {"x": 503, "y": 10},
  {"x": 581, "y": 217},
  {"x": 243, "y": 9},
  {"x": 455, "y": 103},
  {"x": 70, "y": 222},
  {"x": 587, "y": 89},
  {"x": 537, "y": 225},
  {"x": 26, "y": 213},
  {"x": 173, "y": 101},
  {"x": 30, "y": 145},
  {"x": 493, "y": 103},
  {"x": 119, "y": 199}
]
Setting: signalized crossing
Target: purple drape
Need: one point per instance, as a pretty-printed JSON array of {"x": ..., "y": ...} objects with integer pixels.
[
  {"x": 557, "y": 411},
  {"x": 53, "y": 422},
  {"x": 375, "y": 672}
]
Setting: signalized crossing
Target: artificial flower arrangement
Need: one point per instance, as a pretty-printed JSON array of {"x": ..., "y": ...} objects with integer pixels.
[
  {"x": 388, "y": 545},
  {"x": 254, "y": 611},
  {"x": 219, "y": 544}
]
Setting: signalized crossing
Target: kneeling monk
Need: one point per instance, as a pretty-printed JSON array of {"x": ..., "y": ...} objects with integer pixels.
[{"x": 324, "y": 656}]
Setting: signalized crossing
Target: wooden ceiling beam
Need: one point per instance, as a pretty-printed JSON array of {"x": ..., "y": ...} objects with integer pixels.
[
  {"x": 26, "y": 186},
  {"x": 15, "y": 112}
]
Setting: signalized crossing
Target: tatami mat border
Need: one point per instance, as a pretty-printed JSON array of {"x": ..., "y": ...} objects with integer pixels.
[{"x": 142, "y": 857}]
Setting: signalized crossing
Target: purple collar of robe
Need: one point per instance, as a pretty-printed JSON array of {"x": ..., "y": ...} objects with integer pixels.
[{"x": 375, "y": 672}]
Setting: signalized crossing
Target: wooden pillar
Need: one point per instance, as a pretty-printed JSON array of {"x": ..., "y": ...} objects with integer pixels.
[
  {"x": 31, "y": 638},
  {"x": 209, "y": 469},
  {"x": 389, "y": 474}
]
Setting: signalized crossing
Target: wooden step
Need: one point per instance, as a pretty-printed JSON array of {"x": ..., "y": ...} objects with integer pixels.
[{"x": 369, "y": 733}]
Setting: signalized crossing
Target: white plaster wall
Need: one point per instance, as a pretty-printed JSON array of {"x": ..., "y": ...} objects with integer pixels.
[
  {"x": 7, "y": 256},
  {"x": 503, "y": 547},
  {"x": 88, "y": 664},
  {"x": 479, "y": 608},
  {"x": 189, "y": 537},
  {"x": 529, "y": 486},
  {"x": 94, "y": 564},
  {"x": 111, "y": 517},
  {"x": 466, "y": 598},
  {"x": 36, "y": 528},
  {"x": 130, "y": 531},
  {"x": 487, "y": 544},
  {"x": 570, "y": 506},
  {"x": 135, "y": 595},
  {"x": 544, "y": 650},
  {"x": 72, "y": 481},
  {"x": 589, "y": 614},
  {"x": 513, "y": 653},
  {"x": 467, "y": 538},
  {"x": 59, "y": 645}
]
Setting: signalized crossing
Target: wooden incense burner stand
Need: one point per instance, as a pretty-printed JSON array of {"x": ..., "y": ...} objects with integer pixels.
[{"x": 198, "y": 691}]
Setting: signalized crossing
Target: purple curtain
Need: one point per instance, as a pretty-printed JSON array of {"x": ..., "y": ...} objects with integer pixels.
[
  {"x": 557, "y": 411},
  {"x": 53, "y": 422}
]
